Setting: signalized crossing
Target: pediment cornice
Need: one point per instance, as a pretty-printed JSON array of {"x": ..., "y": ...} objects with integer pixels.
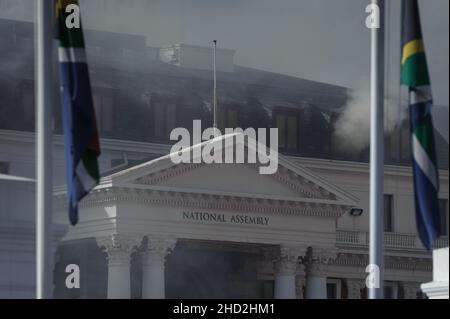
[
  {"x": 114, "y": 195},
  {"x": 300, "y": 185}
]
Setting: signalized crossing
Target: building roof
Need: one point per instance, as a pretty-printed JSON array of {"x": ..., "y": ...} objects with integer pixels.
[{"x": 127, "y": 70}]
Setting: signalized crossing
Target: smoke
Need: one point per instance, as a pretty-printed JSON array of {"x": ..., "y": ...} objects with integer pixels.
[
  {"x": 14, "y": 62},
  {"x": 17, "y": 9},
  {"x": 352, "y": 128},
  {"x": 161, "y": 21}
]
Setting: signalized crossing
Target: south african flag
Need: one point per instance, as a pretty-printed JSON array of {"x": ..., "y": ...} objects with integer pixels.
[
  {"x": 415, "y": 77},
  {"x": 81, "y": 141}
]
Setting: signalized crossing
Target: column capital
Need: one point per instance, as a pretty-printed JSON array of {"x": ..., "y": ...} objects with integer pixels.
[
  {"x": 119, "y": 242},
  {"x": 119, "y": 247},
  {"x": 156, "y": 249},
  {"x": 287, "y": 260},
  {"x": 160, "y": 245},
  {"x": 318, "y": 259}
]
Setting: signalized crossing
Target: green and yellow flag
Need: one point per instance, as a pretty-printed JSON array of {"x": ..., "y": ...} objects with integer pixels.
[{"x": 415, "y": 77}]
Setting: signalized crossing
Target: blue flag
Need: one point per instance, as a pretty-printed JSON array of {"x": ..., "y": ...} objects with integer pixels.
[{"x": 81, "y": 142}]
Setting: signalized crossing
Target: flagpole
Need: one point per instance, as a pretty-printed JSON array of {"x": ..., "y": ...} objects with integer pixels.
[
  {"x": 377, "y": 152},
  {"x": 44, "y": 38},
  {"x": 215, "y": 83}
]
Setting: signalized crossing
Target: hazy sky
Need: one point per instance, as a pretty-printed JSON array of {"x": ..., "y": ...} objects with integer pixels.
[{"x": 323, "y": 40}]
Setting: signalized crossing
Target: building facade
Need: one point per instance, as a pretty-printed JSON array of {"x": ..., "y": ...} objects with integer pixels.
[
  {"x": 223, "y": 231},
  {"x": 153, "y": 229}
]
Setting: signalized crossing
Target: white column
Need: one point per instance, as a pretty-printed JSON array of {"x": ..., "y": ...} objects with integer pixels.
[
  {"x": 438, "y": 288},
  {"x": 119, "y": 249},
  {"x": 316, "y": 287},
  {"x": 119, "y": 274},
  {"x": 153, "y": 267},
  {"x": 316, "y": 266},
  {"x": 285, "y": 270}
]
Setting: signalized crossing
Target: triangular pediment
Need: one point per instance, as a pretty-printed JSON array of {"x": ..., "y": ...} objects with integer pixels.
[
  {"x": 230, "y": 178},
  {"x": 289, "y": 182}
]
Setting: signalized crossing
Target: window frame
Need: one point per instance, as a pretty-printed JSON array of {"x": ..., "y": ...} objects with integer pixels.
[
  {"x": 5, "y": 167},
  {"x": 286, "y": 112},
  {"x": 26, "y": 110},
  {"x": 99, "y": 94},
  {"x": 395, "y": 289},
  {"x": 224, "y": 116},
  {"x": 391, "y": 213},
  {"x": 338, "y": 284},
  {"x": 165, "y": 100},
  {"x": 444, "y": 228}
]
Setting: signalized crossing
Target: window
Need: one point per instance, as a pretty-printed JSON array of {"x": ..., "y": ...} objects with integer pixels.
[
  {"x": 287, "y": 122},
  {"x": 267, "y": 289},
  {"x": 227, "y": 117},
  {"x": 104, "y": 112},
  {"x": 388, "y": 213},
  {"x": 333, "y": 289},
  {"x": 26, "y": 104},
  {"x": 405, "y": 145},
  {"x": 390, "y": 290},
  {"x": 443, "y": 213},
  {"x": 164, "y": 110},
  {"x": 164, "y": 117},
  {"x": 399, "y": 143},
  {"x": 4, "y": 168}
]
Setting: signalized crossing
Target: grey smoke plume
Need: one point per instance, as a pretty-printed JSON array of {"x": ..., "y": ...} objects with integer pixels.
[
  {"x": 352, "y": 128},
  {"x": 16, "y": 58},
  {"x": 17, "y": 9}
]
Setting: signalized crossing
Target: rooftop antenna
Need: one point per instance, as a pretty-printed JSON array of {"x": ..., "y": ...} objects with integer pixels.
[{"x": 215, "y": 83}]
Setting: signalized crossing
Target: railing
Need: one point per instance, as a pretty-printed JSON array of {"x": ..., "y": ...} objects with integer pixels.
[
  {"x": 391, "y": 240},
  {"x": 399, "y": 240},
  {"x": 441, "y": 242},
  {"x": 351, "y": 237}
]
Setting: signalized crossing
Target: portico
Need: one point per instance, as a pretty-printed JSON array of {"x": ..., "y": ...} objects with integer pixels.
[{"x": 290, "y": 215}]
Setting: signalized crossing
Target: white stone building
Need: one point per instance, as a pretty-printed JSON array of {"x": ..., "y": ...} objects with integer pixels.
[
  {"x": 290, "y": 235},
  {"x": 153, "y": 229}
]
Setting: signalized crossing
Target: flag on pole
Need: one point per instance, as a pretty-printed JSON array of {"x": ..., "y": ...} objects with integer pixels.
[
  {"x": 81, "y": 141},
  {"x": 415, "y": 77}
]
